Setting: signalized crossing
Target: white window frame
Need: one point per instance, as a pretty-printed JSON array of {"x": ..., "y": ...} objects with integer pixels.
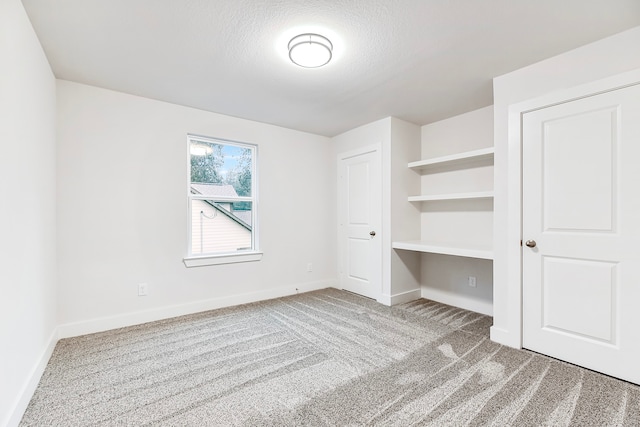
[{"x": 191, "y": 260}]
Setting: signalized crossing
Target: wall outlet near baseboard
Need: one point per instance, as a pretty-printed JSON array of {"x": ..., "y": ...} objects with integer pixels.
[
  {"x": 143, "y": 289},
  {"x": 309, "y": 267},
  {"x": 472, "y": 281}
]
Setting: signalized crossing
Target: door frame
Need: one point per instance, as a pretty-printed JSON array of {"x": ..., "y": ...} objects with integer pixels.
[
  {"x": 339, "y": 192},
  {"x": 513, "y": 261}
]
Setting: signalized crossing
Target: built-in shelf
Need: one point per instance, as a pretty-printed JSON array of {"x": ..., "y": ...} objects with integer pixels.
[
  {"x": 453, "y": 159},
  {"x": 452, "y": 196},
  {"x": 468, "y": 250}
]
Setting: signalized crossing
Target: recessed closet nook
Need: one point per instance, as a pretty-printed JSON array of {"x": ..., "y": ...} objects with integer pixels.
[
  {"x": 455, "y": 206},
  {"x": 437, "y": 209}
]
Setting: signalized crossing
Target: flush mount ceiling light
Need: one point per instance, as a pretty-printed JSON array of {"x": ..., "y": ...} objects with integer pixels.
[{"x": 310, "y": 50}]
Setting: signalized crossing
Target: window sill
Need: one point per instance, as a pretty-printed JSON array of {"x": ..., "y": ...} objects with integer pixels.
[{"x": 201, "y": 261}]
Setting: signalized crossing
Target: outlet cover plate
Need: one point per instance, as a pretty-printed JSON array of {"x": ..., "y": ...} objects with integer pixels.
[{"x": 143, "y": 289}]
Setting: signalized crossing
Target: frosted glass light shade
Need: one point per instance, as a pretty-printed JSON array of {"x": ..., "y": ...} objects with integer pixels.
[{"x": 310, "y": 50}]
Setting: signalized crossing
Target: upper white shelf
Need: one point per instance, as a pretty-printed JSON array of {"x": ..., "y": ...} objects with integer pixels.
[
  {"x": 453, "y": 159},
  {"x": 452, "y": 196}
]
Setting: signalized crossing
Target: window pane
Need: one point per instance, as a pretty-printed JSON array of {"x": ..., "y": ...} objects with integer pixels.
[
  {"x": 220, "y": 226},
  {"x": 223, "y": 165},
  {"x": 220, "y": 173}
]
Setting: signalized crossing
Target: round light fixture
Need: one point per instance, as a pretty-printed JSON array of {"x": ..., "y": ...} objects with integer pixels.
[{"x": 310, "y": 50}]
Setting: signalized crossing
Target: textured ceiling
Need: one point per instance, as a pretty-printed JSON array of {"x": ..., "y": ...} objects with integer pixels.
[{"x": 418, "y": 60}]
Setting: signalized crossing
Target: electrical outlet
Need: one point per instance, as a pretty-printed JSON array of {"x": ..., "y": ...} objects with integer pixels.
[
  {"x": 472, "y": 281},
  {"x": 309, "y": 267},
  {"x": 143, "y": 289}
]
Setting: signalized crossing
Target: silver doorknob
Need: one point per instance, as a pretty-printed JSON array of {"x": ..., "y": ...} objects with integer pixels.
[
  {"x": 531, "y": 243},
  {"x": 372, "y": 233}
]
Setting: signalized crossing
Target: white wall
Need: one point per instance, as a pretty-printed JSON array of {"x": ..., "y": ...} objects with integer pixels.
[
  {"x": 377, "y": 134},
  {"x": 122, "y": 211},
  {"x": 27, "y": 211},
  {"x": 607, "y": 57},
  {"x": 444, "y": 278},
  {"x": 374, "y": 133},
  {"x": 399, "y": 143},
  {"x": 403, "y": 217}
]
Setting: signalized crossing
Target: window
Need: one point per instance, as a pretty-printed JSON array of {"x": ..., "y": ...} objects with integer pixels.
[{"x": 222, "y": 202}]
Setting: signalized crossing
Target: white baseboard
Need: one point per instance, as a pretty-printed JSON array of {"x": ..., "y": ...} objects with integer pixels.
[
  {"x": 400, "y": 298},
  {"x": 458, "y": 300},
  {"x": 26, "y": 393},
  {"x": 129, "y": 319},
  {"x": 502, "y": 336}
]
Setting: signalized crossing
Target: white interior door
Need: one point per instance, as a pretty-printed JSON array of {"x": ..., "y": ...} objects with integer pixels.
[
  {"x": 581, "y": 227},
  {"x": 359, "y": 216}
]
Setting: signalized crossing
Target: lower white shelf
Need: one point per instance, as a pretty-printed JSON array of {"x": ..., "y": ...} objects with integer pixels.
[{"x": 470, "y": 251}]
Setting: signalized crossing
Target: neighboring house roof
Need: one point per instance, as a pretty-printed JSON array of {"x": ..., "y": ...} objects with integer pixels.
[
  {"x": 214, "y": 190},
  {"x": 218, "y": 190},
  {"x": 233, "y": 215},
  {"x": 244, "y": 216}
]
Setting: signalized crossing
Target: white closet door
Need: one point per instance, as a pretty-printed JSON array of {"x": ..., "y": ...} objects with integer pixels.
[
  {"x": 360, "y": 212},
  {"x": 581, "y": 220}
]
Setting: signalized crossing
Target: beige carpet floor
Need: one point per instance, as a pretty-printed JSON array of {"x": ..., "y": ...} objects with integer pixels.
[{"x": 325, "y": 358}]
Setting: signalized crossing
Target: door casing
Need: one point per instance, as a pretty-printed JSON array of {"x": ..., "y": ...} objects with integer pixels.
[
  {"x": 340, "y": 192},
  {"x": 513, "y": 336},
  {"x": 580, "y": 205}
]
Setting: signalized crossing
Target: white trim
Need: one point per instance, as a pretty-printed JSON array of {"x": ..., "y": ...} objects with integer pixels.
[
  {"x": 358, "y": 152},
  {"x": 401, "y": 298},
  {"x": 255, "y": 228},
  {"x": 513, "y": 335},
  {"x": 135, "y": 318},
  {"x": 204, "y": 260},
  {"x": 502, "y": 336},
  {"x": 24, "y": 396},
  {"x": 341, "y": 249},
  {"x": 221, "y": 199},
  {"x": 458, "y": 300}
]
